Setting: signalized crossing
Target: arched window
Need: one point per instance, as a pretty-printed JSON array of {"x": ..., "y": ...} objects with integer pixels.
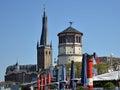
[
  {"x": 63, "y": 39},
  {"x": 78, "y": 39},
  {"x": 49, "y": 52},
  {"x": 70, "y": 39},
  {"x": 60, "y": 39}
]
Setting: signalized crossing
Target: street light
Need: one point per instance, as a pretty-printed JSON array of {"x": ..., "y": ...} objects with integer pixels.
[{"x": 111, "y": 65}]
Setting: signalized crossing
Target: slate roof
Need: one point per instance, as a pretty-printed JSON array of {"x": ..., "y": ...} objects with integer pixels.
[
  {"x": 44, "y": 36},
  {"x": 70, "y": 30},
  {"x": 28, "y": 68}
]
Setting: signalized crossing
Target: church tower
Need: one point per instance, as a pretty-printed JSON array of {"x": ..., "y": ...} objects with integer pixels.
[
  {"x": 69, "y": 46},
  {"x": 44, "y": 49}
]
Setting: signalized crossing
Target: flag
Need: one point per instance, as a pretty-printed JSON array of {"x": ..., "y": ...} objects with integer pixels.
[
  {"x": 94, "y": 61},
  {"x": 96, "y": 58}
]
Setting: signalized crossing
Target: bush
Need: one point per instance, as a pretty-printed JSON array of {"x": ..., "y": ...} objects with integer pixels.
[
  {"x": 52, "y": 86},
  {"x": 109, "y": 85},
  {"x": 81, "y": 88}
]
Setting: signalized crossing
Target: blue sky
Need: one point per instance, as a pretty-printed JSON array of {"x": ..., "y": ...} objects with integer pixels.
[{"x": 21, "y": 21}]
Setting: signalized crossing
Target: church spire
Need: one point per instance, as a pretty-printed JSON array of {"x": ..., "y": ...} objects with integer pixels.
[
  {"x": 44, "y": 60},
  {"x": 44, "y": 35}
]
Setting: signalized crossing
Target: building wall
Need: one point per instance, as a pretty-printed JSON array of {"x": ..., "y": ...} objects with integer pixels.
[
  {"x": 40, "y": 57},
  {"x": 66, "y": 59},
  {"x": 70, "y": 46},
  {"x": 44, "y": 57},
  {"x": 25, "y": 73},
  {"x": 107, "y": 59},
  {"x": 114, "y": 63},
  {"x": 48, "y": 57},
  {"x": 20, "y": 77}
]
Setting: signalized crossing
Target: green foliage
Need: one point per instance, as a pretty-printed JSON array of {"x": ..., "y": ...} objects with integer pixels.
[
  {"x": 80, "y": 88},
  {"x": 52, "y": 86},
  {"x": 78, "y": 66},
  {"x": 109, "y": 85},
  {"x": 101, "y": 68},
  {"x": 21, "y": 87},
  {"x": 68, "y": 68}
]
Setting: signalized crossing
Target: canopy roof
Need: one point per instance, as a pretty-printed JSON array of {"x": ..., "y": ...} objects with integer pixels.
[{"x": 115, "y": 75}]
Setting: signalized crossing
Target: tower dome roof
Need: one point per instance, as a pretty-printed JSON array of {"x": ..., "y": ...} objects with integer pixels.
[{"x": 70, "y": 30}]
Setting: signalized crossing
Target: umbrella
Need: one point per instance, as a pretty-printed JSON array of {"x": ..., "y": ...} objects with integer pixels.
[
  {"x": 38, "y": 83},
  {"x": 44, "y": 81},
  {"x": 84, "y": 70},
  {"x": 48, "y": 78},
  {"x": 72, "y": 75}
]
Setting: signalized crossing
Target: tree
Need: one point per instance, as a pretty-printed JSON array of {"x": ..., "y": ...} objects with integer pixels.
[
  {"x": 109, "y": 85},
  {"x": 101, "y": 68},
  {"x": 78, "y": 66}
]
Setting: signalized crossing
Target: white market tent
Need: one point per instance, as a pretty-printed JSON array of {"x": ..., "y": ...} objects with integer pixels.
[{"x": 115, "y": 75}]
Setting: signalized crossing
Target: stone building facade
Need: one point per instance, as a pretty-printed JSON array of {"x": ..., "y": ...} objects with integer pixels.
[
  {"x": 44, "y": 49},
  {"x": 70, "y": 46},
  {"x": 114, "y": 63},
  {"x": 21, "y": 73}
]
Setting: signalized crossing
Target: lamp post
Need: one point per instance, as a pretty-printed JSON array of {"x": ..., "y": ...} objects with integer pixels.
[
  {"x": 118, "y": 71},
  {"x": 111, "y": 65}
]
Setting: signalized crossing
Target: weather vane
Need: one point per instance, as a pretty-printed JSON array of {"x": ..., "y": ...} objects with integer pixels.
[{"x": 71, "y": 23}]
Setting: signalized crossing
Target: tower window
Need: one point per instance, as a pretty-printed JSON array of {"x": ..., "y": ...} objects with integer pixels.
[
  {"x": 49, "y": 53},
  {"x": 70, "y": 39},
  {"x": 46, "y": 52},
  {"x": 62, "y": 39},
  {"x": 78, "y": 39}
]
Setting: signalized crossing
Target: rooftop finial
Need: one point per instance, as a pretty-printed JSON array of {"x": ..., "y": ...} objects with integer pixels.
[
  {"x": 44, "y": 10},
  {"x": 71, "y": 23},
  {"x": 44, "y": 6}
]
